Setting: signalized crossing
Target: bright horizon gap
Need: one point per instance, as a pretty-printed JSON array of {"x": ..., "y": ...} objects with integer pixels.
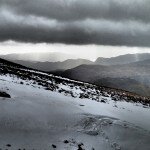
[{"x": 91, "y": 52}]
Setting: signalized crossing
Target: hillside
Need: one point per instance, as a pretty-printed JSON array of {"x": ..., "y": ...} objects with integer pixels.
[
  {"x": 127, "y": 84},
  {"x": 138, "y": 71},
  {"x": 144, "y": 63},
  {"x": 59, "y": 113}
]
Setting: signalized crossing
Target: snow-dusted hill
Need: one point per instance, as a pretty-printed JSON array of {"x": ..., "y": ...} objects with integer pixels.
[{"x": 46, "y": 112}]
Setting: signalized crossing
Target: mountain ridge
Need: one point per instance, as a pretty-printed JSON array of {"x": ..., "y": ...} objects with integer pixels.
[{"x": 123, "y": 59}]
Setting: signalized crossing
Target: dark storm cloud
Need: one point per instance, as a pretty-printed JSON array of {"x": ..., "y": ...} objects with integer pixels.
[{"x": 107, "y": 22}]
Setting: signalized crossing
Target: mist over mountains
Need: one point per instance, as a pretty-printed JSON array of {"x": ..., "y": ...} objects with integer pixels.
[
  {"x": 57, "y": 56},
  {"x": 39, "y": 57}
]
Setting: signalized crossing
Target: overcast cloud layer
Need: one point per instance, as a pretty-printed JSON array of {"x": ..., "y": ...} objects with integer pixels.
[{"x": 105, "y": 22}]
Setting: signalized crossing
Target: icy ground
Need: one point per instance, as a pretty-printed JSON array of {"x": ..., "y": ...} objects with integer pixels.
[{"x": 40, "y": 119}]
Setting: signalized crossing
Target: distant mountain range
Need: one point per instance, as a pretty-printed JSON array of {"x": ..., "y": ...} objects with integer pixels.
[{"x": 59, "y": 61}]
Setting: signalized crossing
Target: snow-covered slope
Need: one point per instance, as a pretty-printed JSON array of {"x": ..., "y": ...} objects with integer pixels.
[{"x": 47, "y": 112}]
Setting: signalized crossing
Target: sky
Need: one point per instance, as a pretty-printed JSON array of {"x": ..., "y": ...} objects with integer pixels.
[{"x": 90, "y": 27}]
